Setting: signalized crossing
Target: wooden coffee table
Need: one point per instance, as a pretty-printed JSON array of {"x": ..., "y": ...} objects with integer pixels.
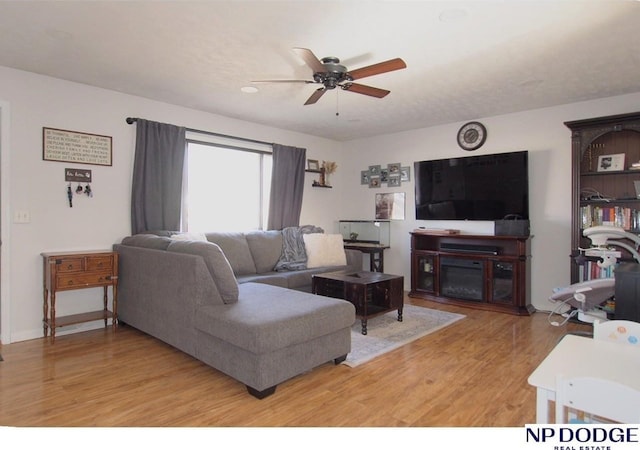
[{"x": 372, "y": 293}]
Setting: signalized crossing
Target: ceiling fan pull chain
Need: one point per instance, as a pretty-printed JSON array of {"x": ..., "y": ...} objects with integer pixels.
[{"x": 337, "y": 103}]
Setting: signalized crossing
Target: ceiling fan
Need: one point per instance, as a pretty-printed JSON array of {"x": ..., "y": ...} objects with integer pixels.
[{"x": 331, "y": 74}]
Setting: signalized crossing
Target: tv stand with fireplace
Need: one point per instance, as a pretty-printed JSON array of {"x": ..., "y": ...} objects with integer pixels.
[{"x": 479, "y": 271}]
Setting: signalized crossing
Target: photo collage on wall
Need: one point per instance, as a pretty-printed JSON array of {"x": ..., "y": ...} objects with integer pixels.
[{"x": 393, "y": 175}]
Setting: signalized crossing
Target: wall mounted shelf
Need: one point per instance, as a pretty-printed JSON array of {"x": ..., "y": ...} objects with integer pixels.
[{"x": 317, "y": 183}]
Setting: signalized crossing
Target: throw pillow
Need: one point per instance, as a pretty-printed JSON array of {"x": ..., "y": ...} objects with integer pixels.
[
  {"x": 216, "y": 262},
  {"x": 324, "y": 250}
]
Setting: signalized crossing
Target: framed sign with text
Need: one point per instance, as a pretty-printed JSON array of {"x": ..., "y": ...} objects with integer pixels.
[{"x": 75, "y": 147}]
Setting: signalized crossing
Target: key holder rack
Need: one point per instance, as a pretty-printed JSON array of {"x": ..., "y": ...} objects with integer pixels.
[{"x": 83, "y": 178}]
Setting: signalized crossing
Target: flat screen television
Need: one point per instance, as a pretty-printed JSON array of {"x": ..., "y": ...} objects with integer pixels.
[{"x": 483, "y": 187}]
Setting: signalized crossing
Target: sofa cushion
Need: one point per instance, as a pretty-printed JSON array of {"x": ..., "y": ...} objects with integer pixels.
[
  {"x": 216, "y": 262},
  {"x": 236, "y": 249},
  {"x": 147, "y": 241},
  {"x": 302, "y": 279},
  {"x": 269, "y": 318},
  {"x": 324, "y": 250},
  {"x": 266, "y": 248},
  {"x": 272, "y": 278}
]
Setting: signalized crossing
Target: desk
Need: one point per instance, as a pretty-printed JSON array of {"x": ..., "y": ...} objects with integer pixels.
[
  {"x": 583, "y": 356},
  {"x": 375, "y": 251}
]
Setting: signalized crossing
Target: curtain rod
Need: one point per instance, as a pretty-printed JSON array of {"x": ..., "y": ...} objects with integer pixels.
[{"x": 131, "y": 120}]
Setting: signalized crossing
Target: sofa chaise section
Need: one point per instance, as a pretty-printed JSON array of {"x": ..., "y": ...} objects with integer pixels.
[
  {"x": 273, "y": 334},
  {"x": 259, "y": 334}
]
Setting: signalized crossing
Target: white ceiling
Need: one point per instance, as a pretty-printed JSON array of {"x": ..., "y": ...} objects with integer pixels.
[{"x": 465, "y": 60}]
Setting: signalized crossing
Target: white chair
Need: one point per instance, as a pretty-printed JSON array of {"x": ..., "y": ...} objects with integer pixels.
[
  {"x": 620, "y": 331},
  {"x": 596, "y": 400}
]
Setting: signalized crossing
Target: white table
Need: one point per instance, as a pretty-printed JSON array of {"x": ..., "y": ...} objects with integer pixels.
[{"x": 583, "y": 356}]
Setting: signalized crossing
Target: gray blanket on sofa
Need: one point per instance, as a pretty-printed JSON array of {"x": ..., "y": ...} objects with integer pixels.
[{"x": 294, "y": 255}]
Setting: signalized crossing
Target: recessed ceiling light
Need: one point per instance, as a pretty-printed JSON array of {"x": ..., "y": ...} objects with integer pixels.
[{"x": 249, "y": 89}]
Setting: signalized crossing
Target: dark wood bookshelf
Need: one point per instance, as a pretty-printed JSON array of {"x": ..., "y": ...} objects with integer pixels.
[{"x": 591, "y": 139}]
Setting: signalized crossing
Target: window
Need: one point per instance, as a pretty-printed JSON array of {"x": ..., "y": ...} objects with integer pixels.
[{"x": 225, "y": 189}]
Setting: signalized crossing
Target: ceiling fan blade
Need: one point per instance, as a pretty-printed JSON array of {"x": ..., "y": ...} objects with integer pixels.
[
  {"x": 375, "y": 69},
  {"x": 366, "y": 90},
  {"x": 310, "y": 59},
  {"x": 315, "y": 96}
]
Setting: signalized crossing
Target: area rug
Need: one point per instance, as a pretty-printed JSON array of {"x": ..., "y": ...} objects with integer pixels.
[{"x": 385, "y": 333}]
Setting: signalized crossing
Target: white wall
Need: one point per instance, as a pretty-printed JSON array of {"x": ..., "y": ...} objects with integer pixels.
[
  {"x": 548, "y": 140},
  {"x": 38, "y": 186}
]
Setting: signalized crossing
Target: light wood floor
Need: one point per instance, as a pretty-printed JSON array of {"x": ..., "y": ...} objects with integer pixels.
[{"x": 472, "y": 373}]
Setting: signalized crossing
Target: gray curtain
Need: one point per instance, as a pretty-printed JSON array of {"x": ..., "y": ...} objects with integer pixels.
[
  {"x": 287, "y": 186},
  {"x": 156, "y": 194}
]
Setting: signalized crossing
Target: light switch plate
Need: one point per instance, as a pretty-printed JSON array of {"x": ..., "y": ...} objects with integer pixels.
[{"x": 21, "y": 217}]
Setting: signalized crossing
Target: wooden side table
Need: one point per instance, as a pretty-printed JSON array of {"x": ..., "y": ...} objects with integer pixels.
[{"x": 64, "y": 271}]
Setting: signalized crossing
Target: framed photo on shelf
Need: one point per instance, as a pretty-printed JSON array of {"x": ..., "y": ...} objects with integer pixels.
[
  {"x": 313, "y": 164},
  {"x": 611, "y": 163}
]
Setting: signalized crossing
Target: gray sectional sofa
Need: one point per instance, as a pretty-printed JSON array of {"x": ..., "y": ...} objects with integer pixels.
[{"x": 222, "y": 302}]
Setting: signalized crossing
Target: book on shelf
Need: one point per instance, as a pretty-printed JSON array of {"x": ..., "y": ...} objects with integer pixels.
[
  {"x": 590, "y": 270},
  {"x": 619, "y": 216}
]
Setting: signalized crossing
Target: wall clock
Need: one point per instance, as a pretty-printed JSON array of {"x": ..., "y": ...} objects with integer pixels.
[{"x": 471, "y": 136}]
